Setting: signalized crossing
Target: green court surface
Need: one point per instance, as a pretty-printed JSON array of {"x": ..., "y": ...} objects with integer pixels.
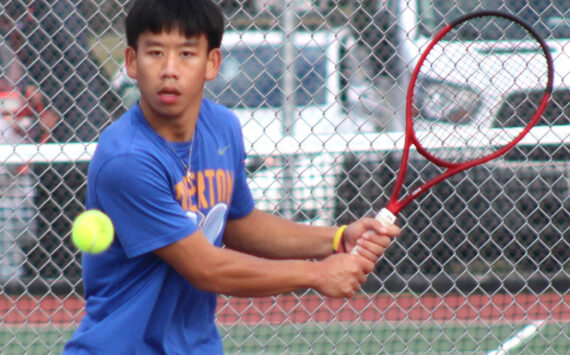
[{"x": 334, "y": 338}]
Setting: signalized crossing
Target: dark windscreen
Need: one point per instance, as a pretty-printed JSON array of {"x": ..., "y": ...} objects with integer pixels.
[{"x": 551, "y": 19}]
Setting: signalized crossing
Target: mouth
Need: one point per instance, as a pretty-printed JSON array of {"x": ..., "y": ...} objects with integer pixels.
[{"x": 168, "y": 95}]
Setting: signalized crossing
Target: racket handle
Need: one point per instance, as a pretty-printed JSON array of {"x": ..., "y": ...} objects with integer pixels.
[{"x": 385, "y": 217}]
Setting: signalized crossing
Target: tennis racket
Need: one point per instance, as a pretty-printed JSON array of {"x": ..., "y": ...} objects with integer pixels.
[
  {"x": 214, "y": 221},
  {"x": 457, "y": 90}
]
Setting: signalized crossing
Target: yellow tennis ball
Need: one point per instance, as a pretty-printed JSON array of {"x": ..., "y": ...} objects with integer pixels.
[{"x": 92, "y": 232}]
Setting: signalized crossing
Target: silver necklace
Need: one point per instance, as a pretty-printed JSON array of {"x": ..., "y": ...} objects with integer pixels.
[
  {"x": 189, "y": 165},
  {"x": 190, "y": 155}
]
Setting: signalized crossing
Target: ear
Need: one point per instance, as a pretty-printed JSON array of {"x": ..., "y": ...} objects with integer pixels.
[
  {"x": 214, "y": 63},
  {"x": 130, "y": 62}
]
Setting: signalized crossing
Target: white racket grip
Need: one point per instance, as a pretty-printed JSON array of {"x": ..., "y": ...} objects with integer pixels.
[{"x": 385, "y": 217}]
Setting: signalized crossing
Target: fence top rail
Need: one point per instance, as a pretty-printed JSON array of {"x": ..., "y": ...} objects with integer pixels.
[{"x": 316, "y": 144}]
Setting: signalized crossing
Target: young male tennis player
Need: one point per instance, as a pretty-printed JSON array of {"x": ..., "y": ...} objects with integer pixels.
[{"x": 160, "y": 172}]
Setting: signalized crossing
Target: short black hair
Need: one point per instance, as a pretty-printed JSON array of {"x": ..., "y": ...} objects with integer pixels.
[{"x": 191, "y": 17}]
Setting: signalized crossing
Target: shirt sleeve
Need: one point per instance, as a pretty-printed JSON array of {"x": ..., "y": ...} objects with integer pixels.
[{"x": 137, "y": 196}]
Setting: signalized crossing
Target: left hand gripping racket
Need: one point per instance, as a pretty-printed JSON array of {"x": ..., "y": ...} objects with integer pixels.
[{"x": 448, "y": 119}]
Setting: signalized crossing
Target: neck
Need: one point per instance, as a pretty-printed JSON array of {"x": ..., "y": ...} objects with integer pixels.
[
  {"x": 179, "y": 131},
  {"x": 171, "y": 128}
]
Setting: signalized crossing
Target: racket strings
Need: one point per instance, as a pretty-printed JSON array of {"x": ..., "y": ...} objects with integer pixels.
[
  {"x": 214, "y": 222},
  {"x": 462, "y": 111}
]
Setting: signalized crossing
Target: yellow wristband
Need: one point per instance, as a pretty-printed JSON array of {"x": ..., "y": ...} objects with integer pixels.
[{"x": 338, "y": 237}]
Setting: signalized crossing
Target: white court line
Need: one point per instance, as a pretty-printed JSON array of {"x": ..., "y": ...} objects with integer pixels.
[{"x": 520, "y": 338}]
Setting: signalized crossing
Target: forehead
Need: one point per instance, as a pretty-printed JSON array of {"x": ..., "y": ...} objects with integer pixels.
[{"x": 172, "y": 37}]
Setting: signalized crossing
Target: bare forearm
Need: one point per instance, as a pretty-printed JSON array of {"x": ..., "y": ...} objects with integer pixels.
[
  {"x": 248, "y": 276},
  {"x": 230, "y": 272},
  {"x": 273, "y": 237}
]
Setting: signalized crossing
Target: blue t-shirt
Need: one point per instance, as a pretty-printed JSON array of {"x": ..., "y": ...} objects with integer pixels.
[{"x": 135, "y": 302}]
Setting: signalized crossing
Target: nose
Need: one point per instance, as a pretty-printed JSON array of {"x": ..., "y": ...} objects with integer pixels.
[{"x": 170, "y": 66}]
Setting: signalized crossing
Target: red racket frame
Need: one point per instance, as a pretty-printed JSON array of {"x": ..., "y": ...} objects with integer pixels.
[{"x": 394, "y": 205}]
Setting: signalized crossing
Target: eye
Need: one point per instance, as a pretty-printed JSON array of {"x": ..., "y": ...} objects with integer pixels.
[
  {"x": 186, "y": 54},
  {"x": 154, "y": 53}
]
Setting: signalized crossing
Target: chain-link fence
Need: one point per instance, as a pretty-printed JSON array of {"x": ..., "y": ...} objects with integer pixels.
[{"x": 482, "y": 262}]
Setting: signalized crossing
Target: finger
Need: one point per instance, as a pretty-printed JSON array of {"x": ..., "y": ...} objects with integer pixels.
[
  {"x": 359, "y": 282},
  {"x": 367, "y": 263},
  {"x": 363, "y": 270},
  {"x": 354, "y": 286},
  {"x": 353, "y": 291},
  {"x": 370, "y": 250},
  {"x": 374, "y": 225},
  {"x": 362, "y": 279},
  {"x": 393, "y": 230},
  {"x": 379, "y": 239},
  {"x": 371, "y": 224},
  {"x": 371, "y": 245}
]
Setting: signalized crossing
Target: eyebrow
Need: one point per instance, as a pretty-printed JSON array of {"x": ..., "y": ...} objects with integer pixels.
[{"x": 189, "y": 42}]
